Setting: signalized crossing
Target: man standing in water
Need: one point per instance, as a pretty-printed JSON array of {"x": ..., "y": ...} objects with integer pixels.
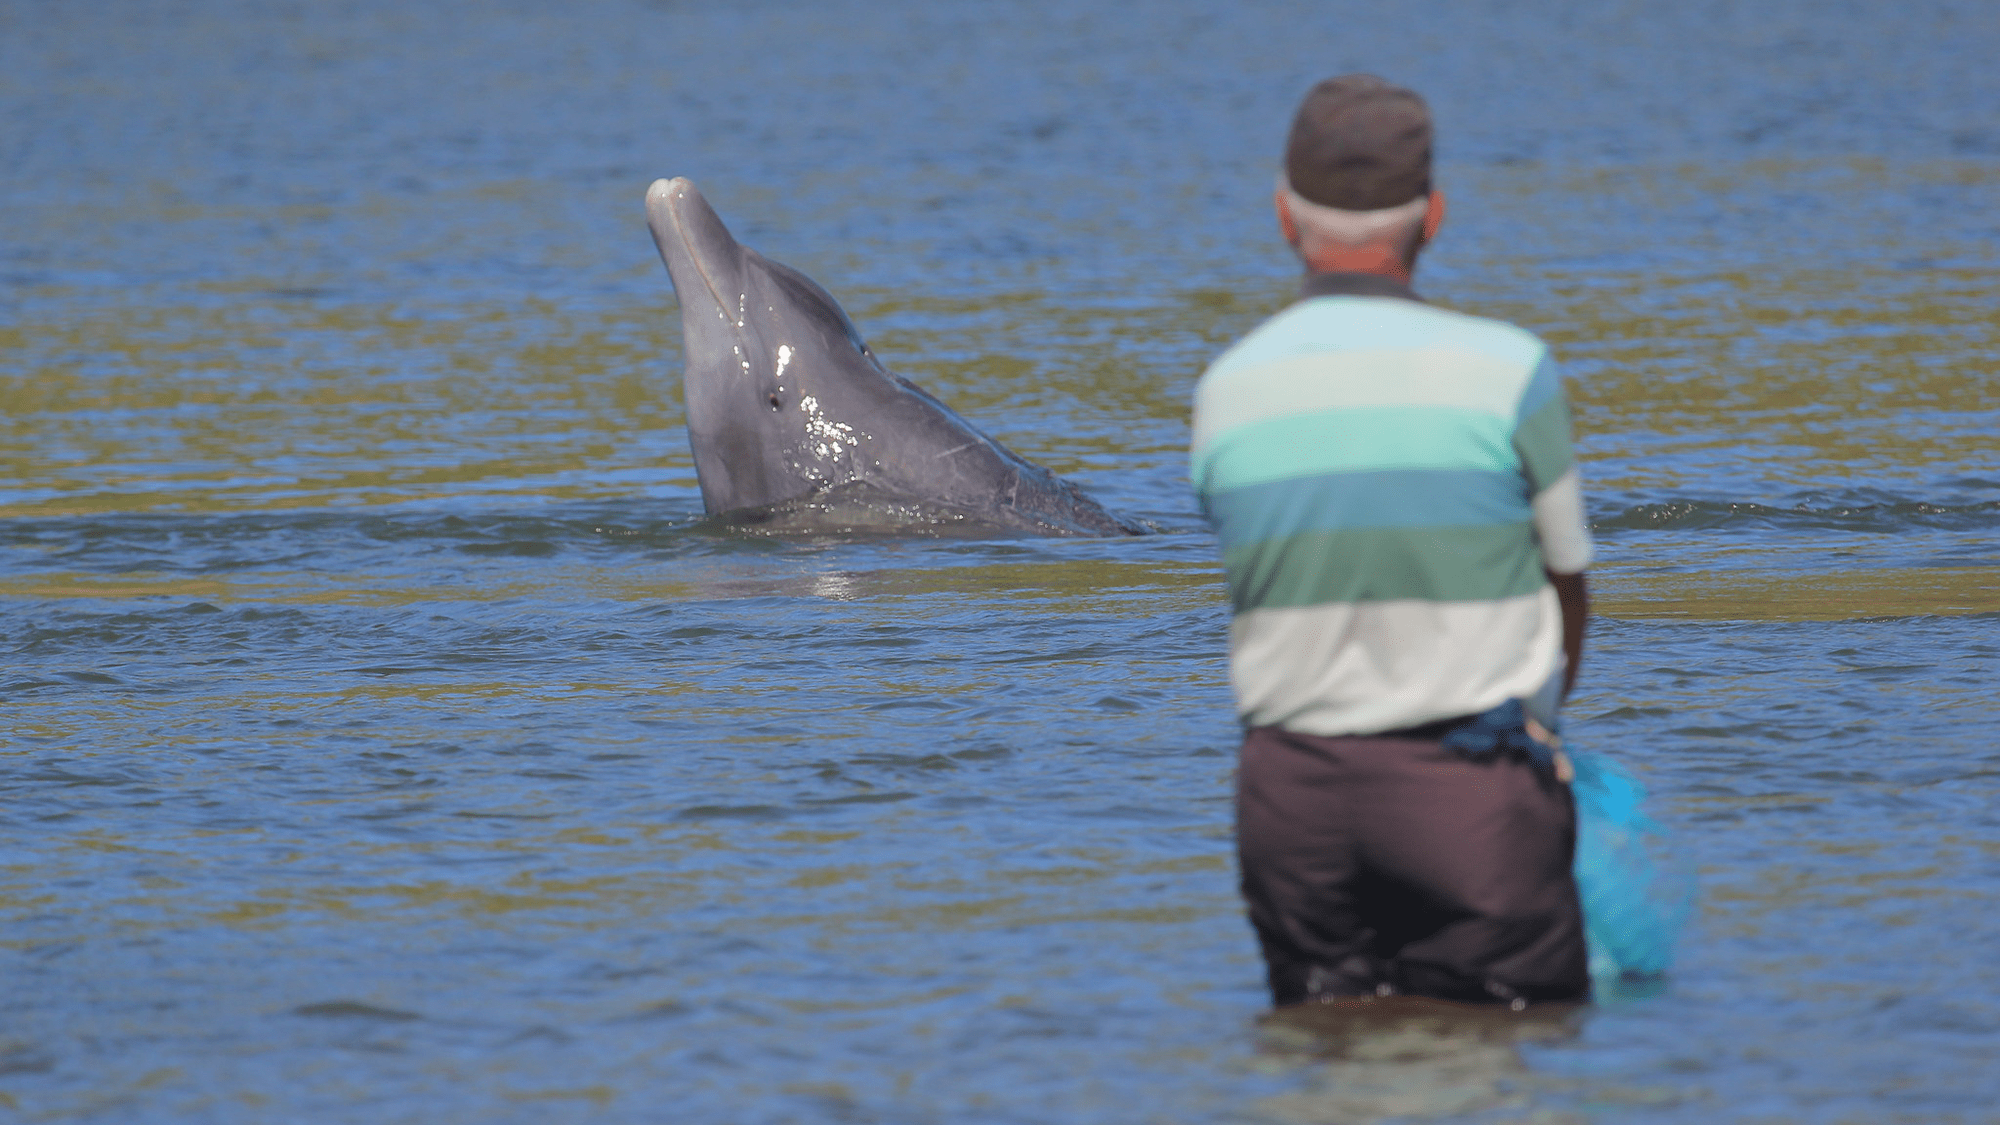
[{"x": 1403, "y": 535}]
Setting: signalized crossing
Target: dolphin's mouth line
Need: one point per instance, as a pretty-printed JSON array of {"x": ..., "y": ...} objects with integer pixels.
[{"x": 694, "y": 256}]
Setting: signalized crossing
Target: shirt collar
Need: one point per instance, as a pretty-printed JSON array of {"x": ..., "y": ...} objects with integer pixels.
[{"x": 1354, "y": 285}]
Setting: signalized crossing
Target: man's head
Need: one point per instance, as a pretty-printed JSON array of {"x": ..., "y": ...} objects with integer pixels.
[{"x": 1356, "y": 194}]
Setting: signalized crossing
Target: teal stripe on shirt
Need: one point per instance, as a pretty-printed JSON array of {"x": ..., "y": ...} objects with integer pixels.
[
  {"x": 1351, "y": 439},
  {"x": 1357, "y": 500},
  {"x": 1439, "y": 564},
  {"x": 1542, "y": 443},
  {"x": 1544, "y": 383}
]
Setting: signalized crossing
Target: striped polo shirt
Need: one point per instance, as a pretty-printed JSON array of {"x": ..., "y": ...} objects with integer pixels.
[{"x": 1388, "y": 481}]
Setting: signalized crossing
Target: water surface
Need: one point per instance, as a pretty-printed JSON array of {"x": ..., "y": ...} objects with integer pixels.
[{"x": 388, "y": 739}]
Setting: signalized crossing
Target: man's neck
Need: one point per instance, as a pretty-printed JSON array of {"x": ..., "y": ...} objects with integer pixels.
[
  {"x": 1354, "y": 285},
  {"x": 1381, "y": 261}
]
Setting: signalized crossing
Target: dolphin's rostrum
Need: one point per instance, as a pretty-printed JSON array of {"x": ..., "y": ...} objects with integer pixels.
[{"x": 794, "y": 422}]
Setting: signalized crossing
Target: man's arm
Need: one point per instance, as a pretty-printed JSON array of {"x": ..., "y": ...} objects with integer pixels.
[{"x": 1574, "y": 594}]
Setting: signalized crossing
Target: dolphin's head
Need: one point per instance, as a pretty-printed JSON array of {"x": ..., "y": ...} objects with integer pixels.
[{"x": 777, "y": 381}]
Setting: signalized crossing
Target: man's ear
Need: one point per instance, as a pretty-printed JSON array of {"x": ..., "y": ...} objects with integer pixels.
[
  {"x": 1286, "y": 223},
  {"x": 1433, "y": 215}
]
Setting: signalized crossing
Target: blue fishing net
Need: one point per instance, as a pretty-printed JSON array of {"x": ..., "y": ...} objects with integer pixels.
[{"x": 1637, "y": 889}]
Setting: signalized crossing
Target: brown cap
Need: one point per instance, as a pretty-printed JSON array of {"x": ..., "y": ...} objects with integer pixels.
[{"x": 1360, "y": 144}]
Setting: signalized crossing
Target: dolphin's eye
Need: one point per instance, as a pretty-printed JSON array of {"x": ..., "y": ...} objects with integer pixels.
[{"x": 776, "y": 402}]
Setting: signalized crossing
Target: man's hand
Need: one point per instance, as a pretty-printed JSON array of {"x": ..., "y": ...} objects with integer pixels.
[{"x": 1574, "y": 594}]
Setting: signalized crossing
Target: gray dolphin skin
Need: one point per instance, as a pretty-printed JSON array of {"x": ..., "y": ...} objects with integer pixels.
[{"x": 796, "y": 425}]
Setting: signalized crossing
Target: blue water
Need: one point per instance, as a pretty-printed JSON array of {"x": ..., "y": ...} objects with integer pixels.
[{"x": 387, "y": 739}]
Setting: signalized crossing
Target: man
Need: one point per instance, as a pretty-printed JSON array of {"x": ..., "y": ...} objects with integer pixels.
[{"x": 1403, "y": 536}]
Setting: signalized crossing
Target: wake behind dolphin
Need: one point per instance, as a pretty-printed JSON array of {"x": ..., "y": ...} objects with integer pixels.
[{"x": 796, "y": 425}]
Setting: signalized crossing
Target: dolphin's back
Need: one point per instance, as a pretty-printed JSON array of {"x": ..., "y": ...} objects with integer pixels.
[{"x": 961, "y": 466}]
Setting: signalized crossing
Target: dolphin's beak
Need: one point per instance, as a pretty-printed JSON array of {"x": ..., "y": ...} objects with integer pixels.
[{"x": 702, "y": 257}]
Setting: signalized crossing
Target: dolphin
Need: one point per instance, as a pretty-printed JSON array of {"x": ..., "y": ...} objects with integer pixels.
[{"x": 796, "y": 425}]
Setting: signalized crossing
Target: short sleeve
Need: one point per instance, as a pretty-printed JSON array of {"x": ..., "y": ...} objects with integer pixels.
[
  {"x": 1548, "y": 463},
  {"x": 1541, "y": 428}
]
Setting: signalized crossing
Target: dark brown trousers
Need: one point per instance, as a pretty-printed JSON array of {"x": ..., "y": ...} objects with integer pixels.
[{"x": 1378, "y": 865}]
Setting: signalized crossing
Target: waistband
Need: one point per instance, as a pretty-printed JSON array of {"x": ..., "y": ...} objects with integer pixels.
[{"x": 1428, "y": 732}]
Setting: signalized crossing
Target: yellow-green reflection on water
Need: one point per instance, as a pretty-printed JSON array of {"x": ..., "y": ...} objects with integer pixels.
[
  {"x": 1778, "y": 595},
  {"x": 1623, "y": 589}
]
